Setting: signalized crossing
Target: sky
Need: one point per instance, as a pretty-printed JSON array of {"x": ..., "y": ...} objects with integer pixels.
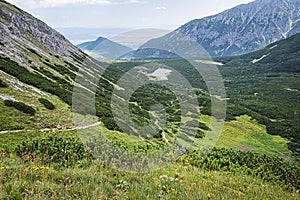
[
  {"x": 85, "y": 20},
  {"x": 129, "y": 14}
]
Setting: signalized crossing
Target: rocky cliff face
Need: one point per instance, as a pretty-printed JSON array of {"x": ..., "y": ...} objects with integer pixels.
[
  {"x": 244, "y": 28},
  {"x": 23, "y": 36}
]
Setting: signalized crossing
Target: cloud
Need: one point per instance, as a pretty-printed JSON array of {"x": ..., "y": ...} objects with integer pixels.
[
  {"x": 161, "y": 8},
  {"x": 62, "y": 3}
]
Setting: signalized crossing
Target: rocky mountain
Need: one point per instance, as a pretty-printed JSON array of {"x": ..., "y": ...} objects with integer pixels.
[
  {"x": 23, "y": 35},
  {"x": 38, "y": 64},
  {"x": 239, "y": 30},
  {"x": 281, "y": 56},
  {"x": 103, "y": 49}
]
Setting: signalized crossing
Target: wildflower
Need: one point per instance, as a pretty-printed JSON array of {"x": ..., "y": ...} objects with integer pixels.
[
  {"x": 163, "y": 177},
  {"x": 297, "y": 191},
  {"x": 208, "y": 195},
  {"x": 1, "y": 168}
]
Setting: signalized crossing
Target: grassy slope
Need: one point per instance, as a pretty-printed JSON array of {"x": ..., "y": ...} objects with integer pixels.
[
  {"x": 33, "y": 181},
  {"x": 11, "y": 119},
  {"x": 247, "y": 134},
  {"x": 241, "y": 134}
]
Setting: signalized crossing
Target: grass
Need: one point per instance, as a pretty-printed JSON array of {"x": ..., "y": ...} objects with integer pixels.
[
  {"x": 13, "y": 119},
  {"x": 245, "y": 133},
  {"x": 31, "y": 180},
  {"x": 21, "y": 179}
]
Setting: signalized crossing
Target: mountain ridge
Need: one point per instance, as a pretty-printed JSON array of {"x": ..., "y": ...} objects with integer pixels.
[
  {"x": 239, "y": 30},
  {"x": 103, "y": 49},
  {"x": 282, "y": 18},
  {"x": 21, "y": 32}
]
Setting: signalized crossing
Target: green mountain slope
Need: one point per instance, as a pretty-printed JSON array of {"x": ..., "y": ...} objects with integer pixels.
[
  {"x": 42, "y": 154},
  {"x": 281, "y": 56},
  {"x": 37, "y": 64},
  {"x": 266, "y": 84}
]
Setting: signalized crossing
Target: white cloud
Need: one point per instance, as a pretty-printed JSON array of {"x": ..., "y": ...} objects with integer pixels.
[
  {"x": 161, "y": 8},
  {"x": 62, "y": 3}
]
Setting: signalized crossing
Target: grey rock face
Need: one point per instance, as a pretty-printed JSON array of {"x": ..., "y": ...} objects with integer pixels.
[
  {"x": 245, "y": 28},
  {"x": 21, "y": 32}
]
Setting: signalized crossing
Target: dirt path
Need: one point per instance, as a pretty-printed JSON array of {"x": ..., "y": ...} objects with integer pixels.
[{"x": 53, "y": 129}]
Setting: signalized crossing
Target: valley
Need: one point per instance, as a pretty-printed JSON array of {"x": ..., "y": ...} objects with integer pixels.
[{"x": 147, "y": 123}]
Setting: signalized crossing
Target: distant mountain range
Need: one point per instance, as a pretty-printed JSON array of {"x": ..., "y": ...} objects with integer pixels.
[
  {"x": 103, "y": 49},
  {"x": 242, "y": 29}
]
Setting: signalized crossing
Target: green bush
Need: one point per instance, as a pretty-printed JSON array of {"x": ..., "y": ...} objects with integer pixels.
[
  {"x": 3, "y": 84},
  {"x": 20, "y": 106},
  {"x": 62, "y": 89},
  {"x": 54, "y": 148},
  {"x": 47, "y": 104},
  {"x": 269, "y": 168}
]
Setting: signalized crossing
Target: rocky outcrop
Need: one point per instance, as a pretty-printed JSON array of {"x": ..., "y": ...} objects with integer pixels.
[
  {"x": 242, "y": 29},
  {"x": 22, "y": 36}
]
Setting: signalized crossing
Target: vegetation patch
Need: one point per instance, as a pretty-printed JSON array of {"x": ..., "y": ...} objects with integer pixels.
[
  {"x": 3, "y": 84},
  {"x": 62, "y": 150},
  {"x": 270, "y": 168},
  {"x": 20, "y": 106},
  {"x": 47, "y": 104},
  {"x": 61, "y": 90}
]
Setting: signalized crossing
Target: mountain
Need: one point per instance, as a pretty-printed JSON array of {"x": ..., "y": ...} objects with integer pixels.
[
  {"x": 23, "y": 37},
  {"x": 43, "y": 156},
  {"x": 242, "y": 29},
  {"x": 103, "y": 49},
  {"x": 245, "y": 28},
  {"x": 265, "y": 85},
  {"x": 281, "y": 56},
  {"x": 38, "y": 65}
]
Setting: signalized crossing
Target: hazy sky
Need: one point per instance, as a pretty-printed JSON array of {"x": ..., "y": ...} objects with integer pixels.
[{"x": 132, "y": 14}]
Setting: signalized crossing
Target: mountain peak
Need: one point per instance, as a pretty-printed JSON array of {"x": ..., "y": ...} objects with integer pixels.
[
  {"x": 21, "y": 32},
  {"x": 103, "y": 48},
  {"x": 245, "y": 28},
  {"x": 100, "y": 39}
]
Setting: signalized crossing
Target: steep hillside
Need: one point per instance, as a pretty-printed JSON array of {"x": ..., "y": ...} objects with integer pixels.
[
  {"x": 103, "y": 49},
  {"x": 37, "y": 64},
  {"x": 245, "y": 28},
  {"x": 24, "y": 39},
  {"x": 282, "y": 56},
  {"x": 265, "y": 85},
  {"x": 242, "y": 29}
]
